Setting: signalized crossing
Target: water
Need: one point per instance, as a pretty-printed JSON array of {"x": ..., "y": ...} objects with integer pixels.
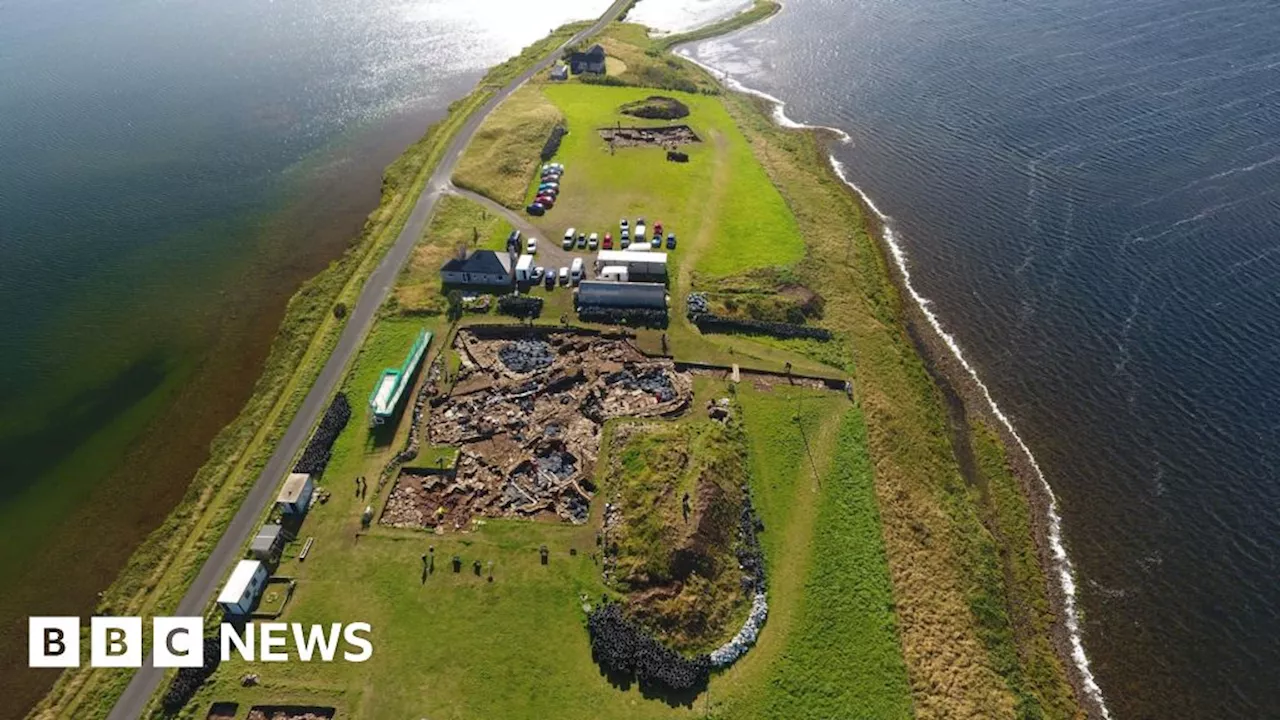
[
  {"x": 170, "y": 172},
  {"x": 1089, "y": 193}
]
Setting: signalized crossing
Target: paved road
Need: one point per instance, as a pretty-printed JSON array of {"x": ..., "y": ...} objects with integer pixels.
[{"x": 228, "y": 550}]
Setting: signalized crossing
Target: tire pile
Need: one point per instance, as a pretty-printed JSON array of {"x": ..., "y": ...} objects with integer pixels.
[
  {"x": 709, "y": 322},
  {"x": 525, "y": 356},
  {"x": 520, "y": 305},
  {"x": 552, "y": 145},
  {"x": 315, "y": 458},
  {"x": 623, "y": 648},
  {"x": 635, "y": 317},
  {"x": 188, "y": 680},
  {"x": 697, "y": 303},
  {"x": 753, "y": 582}
]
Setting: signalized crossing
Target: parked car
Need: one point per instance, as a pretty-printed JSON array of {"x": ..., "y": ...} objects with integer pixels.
[
  {"x": 578, "y": 272},
  {"x": 531, "y": 246},
  {"x": 568, "y": 238},
  {"x": 671, "y": 241},
  {"x": 582, "y": 240},
  {"x": 550, "y": 278},
  {"x": 640, "y": 233},
  {"x": 514, "y": 237},
  {"x": 625, "y": 240},
  {"x": 656, "y": 242},
  {"x": 536, "y": 209},
  {"x": 564, "y": 276},
  {"x": 538, "y": 272},
  {"x": 553, "y": 166},
  {"x": 593, "y": 242},
  {"x": 623, "y": 225},
  {"x": 657, "y": 227},
  {"x": 546, "y": 200},
  {"x": 608, "y": 241}
]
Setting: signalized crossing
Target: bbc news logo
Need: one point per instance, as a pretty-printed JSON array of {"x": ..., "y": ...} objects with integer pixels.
[{"x": 178, "y": 642}]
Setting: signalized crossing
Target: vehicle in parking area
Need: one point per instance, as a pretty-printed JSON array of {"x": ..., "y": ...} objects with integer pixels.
[
  {"x": 531, "y": 246},
  {"x": 536, "y": 209},
  {"x": 550, "y": 278},
  {"x": 640, "y": 232},
  {"x": 582, "y": 240},
  {"x": 546, "y": 200},
  {"x": 657, "y": 227},
  {"x": 538, "y": 273},
  {"x": 622, "y": 224},
  {"x": 564, "y": 276},
  {"x": 608, "y": 241},
  {"x": 671, "y": 241},
  {"x": 593, "y": 242},
  {"x": 577, "y": 272},
  {"x": 553, "y": 166},
  {"x": 656, "y": 242},
  {"x": 568, "y": 238},
  {"x": 514, "y": 237},
  {"x": 625, "y": 240}
]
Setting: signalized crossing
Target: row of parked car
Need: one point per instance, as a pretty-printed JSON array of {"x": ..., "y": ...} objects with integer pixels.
[
  {"x": 574, "y": 274},
  {"x": 548, "y": 189},
  {"x": 593, "y": 242}
]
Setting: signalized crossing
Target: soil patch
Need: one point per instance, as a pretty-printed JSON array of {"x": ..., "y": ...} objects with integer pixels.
[
  {"x": 670, "y": 136},
  {"x": 526, "y": 415}
]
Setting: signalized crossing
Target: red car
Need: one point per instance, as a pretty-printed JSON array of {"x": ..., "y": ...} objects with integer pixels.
[
  {"x": 657, "y": 228},
  {"x": 608, "y": 241},
  {"x": 546, "y": 200}
]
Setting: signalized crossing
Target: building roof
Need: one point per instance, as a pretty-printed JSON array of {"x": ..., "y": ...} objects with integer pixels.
[
  {"x": 622, "y": 294},
  {"x": 525, "y": 262},
  {"x": 626, "y": 257},
  {"x": 293, "y": 486},
  {"x": 239, "y": 580},
  {"x": 481, "y": 261},
  {"x": 594, "y": 53},
  {"x": 266, "y": 537}
]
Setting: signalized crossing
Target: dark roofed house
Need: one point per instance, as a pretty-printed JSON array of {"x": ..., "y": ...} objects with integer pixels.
[
  {"x": 482, "y": 267},
  {"x": 591, "y": 61}
]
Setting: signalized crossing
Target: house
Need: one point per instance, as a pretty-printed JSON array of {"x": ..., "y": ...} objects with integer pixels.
[
  {"x": 267, "y": 543},
  {"x": 482, "y": 267},
  {"x": 243, "y": 587},
  {"x": 602, "y": 293},
  {"x": 295, "y": 496},
  {"x": 591, "y": 61},
  {"x": 560, "y": 72}
]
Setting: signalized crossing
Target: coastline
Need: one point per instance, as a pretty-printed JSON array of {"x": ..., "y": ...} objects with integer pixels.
[{"x": 949, "y": 368}]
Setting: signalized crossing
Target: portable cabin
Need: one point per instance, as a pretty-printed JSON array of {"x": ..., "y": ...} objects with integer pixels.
[
  {"x": 243, "y": 587},
  {"x": 267, "y": 543},
  {"x": 295, "y": 496},
  {"x": 524, "y": 269}
]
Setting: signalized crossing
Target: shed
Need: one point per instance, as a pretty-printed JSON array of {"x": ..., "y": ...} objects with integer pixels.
[
  {"x": 267, "y": 543},
  {"x": 560, "y": 72},
  {"x": 482, "y": 267},
  {"x": 591, "y": 61},
  {"x": 295, "y": 496},
  {"x": 603, "y": 293},
  {"x": 644, "y": 265},
  {"x": 242, "y": 588},
  {"x": 524, "y": 268}
]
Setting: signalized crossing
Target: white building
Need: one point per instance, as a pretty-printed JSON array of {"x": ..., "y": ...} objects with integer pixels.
[
  {"x": 295, "y": 496},
  {"x": 524, "y": 268},
  {"x": 242, "y": 588},
  {"x": 639, "y": 265}
]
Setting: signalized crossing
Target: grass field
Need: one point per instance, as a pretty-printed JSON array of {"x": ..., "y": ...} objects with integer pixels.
[{"x": 498, "y": 163}]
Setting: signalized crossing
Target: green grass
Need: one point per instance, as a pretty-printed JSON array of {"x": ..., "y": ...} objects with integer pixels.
[
  {"x": 457, "y": 224},
  {"x": 502, "y": 158},
  {"x": 844, "y": 658},
  {"x": 757, "y": 12}
]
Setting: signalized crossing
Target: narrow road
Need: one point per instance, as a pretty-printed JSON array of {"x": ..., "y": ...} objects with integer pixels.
[{"x": 147, "y": 679}]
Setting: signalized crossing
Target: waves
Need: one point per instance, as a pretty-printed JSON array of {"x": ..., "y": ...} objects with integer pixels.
[{"x": 1062, "y": 565}]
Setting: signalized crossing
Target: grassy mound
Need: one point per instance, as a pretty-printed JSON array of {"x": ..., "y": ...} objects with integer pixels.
[
  {"x": 677, "y": 493},
  {"x": 656, "y": 107}
]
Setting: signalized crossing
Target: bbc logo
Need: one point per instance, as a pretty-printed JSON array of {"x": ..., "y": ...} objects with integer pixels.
[{"x": 114, "y": 642}]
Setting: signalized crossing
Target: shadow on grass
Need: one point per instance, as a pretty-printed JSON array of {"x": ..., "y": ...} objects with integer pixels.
[{"x": 651, "y": 691}]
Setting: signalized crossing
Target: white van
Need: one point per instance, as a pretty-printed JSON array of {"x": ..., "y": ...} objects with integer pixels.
[
  {"x": 568, "y": 238},
  {"x": 575, "y": 271}
]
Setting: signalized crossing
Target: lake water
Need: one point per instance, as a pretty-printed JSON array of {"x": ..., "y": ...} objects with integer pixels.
[
  {"x": 1088, "y": 191},
  {"x": 170, "y": 172}
]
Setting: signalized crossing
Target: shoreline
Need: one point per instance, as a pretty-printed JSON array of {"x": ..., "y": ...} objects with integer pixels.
[{"x": 949, "y": 368}]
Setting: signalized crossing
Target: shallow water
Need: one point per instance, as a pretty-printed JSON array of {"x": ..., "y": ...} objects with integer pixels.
[
  {"x": 171, "y": 172},
  {"x": 1089, "y": 194}
]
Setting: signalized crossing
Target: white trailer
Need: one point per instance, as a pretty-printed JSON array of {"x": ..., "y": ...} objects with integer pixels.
[
  {"x": 524, "y": 268},
  {"x": 616, "y": 273}
]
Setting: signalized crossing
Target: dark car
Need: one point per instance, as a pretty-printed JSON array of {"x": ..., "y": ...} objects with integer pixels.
[
  {"x": 514, "y": 237},
  {"x": 536, "y": 209},
  {"x": 582, "y": 240},
  {"x": 656, "y": 242},
  {"x": 550, "y": 279},
  {"x": 671, "y": 241}
]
